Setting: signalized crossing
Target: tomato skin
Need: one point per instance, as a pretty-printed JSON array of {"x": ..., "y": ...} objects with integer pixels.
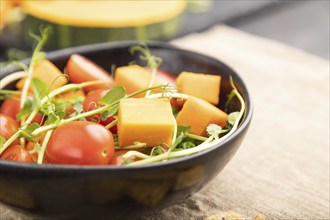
[
  {"x": 8, "y": 127},
  {"x": 39, "y": 119},
  {"x": 91, "y": 102},
  {"x": 80, "y": 69},
  {"x": 11, "y": 108},
  {"x": 17, "y": 153},
  {"x": 80, "y": 142},
  {"x": 117, "y": 158},
  {"x": 177, "y": 103}
]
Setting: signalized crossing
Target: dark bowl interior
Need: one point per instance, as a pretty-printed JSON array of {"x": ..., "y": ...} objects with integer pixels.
[{"x": 122, "y": 192}]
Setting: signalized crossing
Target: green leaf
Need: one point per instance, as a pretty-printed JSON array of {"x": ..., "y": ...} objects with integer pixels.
[
  {"x": 48, "y": 107},
  {"x": 213, "y": 129},
  {"x": 55, "y": 118},
  {"x": 182, "y": 129},
  {"x": 25, "y": 111},
  {"x": 110, "y": 112},
  {"x": 2, "y": 141},
  {"x": 27, "y": 132},
  {"x": 37, "y": 148},
  {"x": 78, "y": 107},
  {"x": 113, "y": 95},
  {"x": 187, "y": 145},
  {"x": 177, "y": 141},
  {"x": 40, "y": 88},
  {"x": 157, "y": 150},
  {"x": 9, "y": 94}
]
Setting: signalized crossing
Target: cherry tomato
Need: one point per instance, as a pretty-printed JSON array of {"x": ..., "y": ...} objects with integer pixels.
[
  {"x": 17, "y": 153},
  {"x": 91, "y": 102},
  {"x": 117, "y": 158},
  {"x": 80, "y": 69},
  {"x": 8, "y": 127},
  {"x": 177, "y": 103},
  {"x": 11, "y": 107},
  {"x": 80, "y": 142},
  {"x": 30, "y": 145},
  {"x": 165, "y": 77},
  {"x": 39, "y": 118}
]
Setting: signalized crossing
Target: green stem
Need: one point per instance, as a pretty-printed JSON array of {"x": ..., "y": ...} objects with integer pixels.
[
  {"x": 113, "y": 123},
  {"x": 136, "y": 154},
  {"x": 151, "y": 83},
  {"x": 34, "y": 60},
  {"x": 10, "y": 92},
  {"x": 144, "y": 90},
  {"x": 56, "y": 92},
  {"x": 43, "y": 147},
  {"x": 9, "y": 141},
  {"x": 136, "y": 145},
  {"x": 196, "y": 137},
  {"x": 35, "y": 111},
  {"x": 175, "y": 154}
]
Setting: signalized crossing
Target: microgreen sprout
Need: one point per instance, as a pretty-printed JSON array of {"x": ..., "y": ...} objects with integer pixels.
[
  {"x": 41, "y": 152},
  {"x": 136, "y": 145},
  {"x": 152, "y": 61},
  {"x": 36, "y": 57}
]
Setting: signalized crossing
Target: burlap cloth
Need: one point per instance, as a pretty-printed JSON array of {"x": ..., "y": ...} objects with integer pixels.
[{"x": 281, "y": 170}]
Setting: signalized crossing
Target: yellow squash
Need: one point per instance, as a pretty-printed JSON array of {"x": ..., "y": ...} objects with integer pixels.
[{"x": 144, "y": 120}]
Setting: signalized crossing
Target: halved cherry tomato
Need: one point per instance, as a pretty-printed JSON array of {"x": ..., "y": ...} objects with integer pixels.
[
  {"x": 11, "y": 108},
  {"x": 80, "y": 142},
  {"x": 80, "y": 69},
  {"x": 8, "y": 127},
  {"x": 91, "y": 102},
  {"x": 17, "y": 153},
  {"x": 165, "y": 77}
]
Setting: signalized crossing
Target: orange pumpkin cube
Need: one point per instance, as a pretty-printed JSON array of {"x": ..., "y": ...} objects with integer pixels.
[
  {"x": 198, "y": 114},
  {"x": 145, "y": 120},
  {"x": 47, "y": 72},
  {"x": 204, "y": 86},
  {"x": 134, "y": 78}
]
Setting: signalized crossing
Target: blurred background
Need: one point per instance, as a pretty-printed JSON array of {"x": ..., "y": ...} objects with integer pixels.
[{"x": 302, "y": 24}]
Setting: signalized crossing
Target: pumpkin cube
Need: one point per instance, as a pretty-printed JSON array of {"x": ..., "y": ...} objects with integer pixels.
[
  {"x": 134, "y": 78},
  {"x": 47, "y": 72},
  {"x": 198, "y": 114},
  {"x": 145, "y": 120},
  {"x": 204, "y": 86}
]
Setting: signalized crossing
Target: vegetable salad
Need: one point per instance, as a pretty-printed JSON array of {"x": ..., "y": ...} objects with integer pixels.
[{"x": 134, "y": 115}]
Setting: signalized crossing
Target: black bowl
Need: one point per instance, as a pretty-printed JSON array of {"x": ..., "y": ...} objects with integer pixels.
[{"x": 122, "y": 192}]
